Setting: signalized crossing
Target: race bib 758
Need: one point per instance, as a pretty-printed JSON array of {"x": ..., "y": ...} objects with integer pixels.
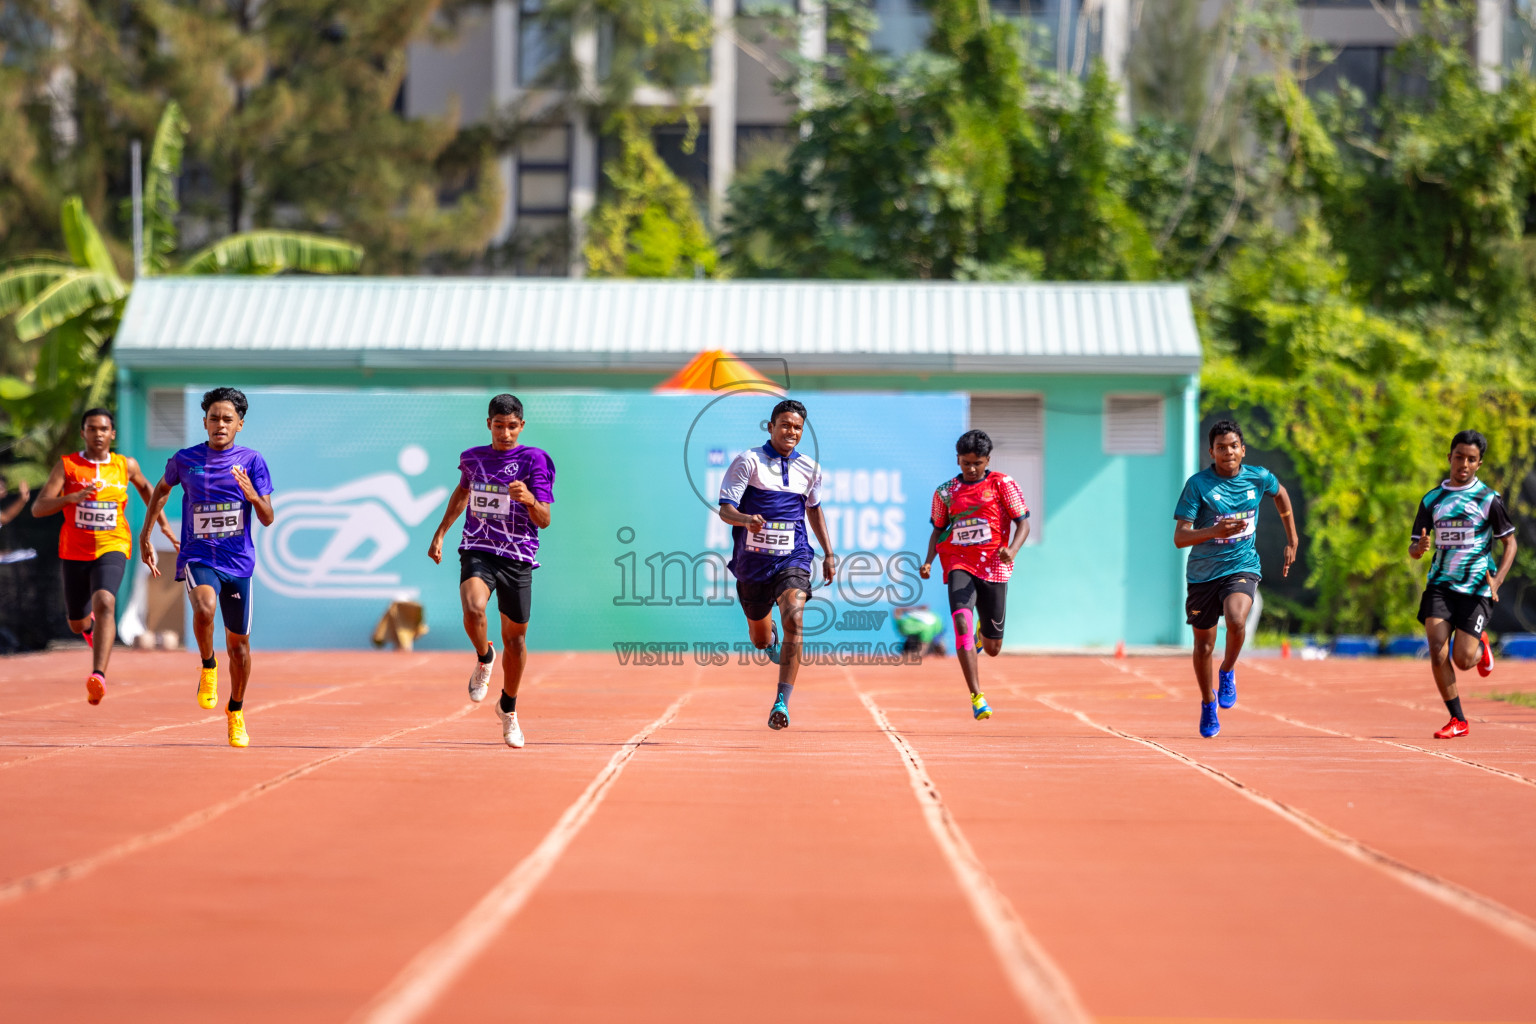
[{"x": 212, "y": 520}]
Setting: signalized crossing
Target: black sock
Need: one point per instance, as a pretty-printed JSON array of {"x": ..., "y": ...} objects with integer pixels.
[
  {"x": 508, "y": 704},
  {"x": 236, "y": 705},
  {"x": 210, "y": 663},
  {"x": 88, "y": 630},
  {"x": 98, "y": 672},
  {"x": 489, "y": 655},
  {"x": 1454, "y": 707}
]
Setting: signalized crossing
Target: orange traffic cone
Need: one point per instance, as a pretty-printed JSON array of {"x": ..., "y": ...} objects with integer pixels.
[
  {"x": 1120, "y": 649},
  {"x": 1285, "y": 647}
]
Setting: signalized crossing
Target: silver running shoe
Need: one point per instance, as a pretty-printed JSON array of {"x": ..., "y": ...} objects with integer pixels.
[
  {"x": 480, "y": 679},
  {"x": 510, "y": 730}
]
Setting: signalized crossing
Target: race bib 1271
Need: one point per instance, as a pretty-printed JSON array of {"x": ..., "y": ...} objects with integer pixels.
[
  {"x": 213, "y": 520},
  {"x": 970, "y": 532}
]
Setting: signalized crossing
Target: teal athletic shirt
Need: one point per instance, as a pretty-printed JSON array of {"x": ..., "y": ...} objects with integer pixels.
[
  {"x": 1462, "y": 523},
  {"x": 1208, "y": 497}
]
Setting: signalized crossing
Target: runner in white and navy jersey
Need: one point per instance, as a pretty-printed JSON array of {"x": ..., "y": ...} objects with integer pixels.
[
  {"x": 1460, "y": 520},
  {"x": 507, "y": 489},
  {"x": 769, "y": 495}
]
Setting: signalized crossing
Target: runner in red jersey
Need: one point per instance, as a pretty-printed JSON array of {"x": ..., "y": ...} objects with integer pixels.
[{"x": 972, "y": 515}]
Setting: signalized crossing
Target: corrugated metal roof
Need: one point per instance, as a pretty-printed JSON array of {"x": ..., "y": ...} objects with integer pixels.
[{"x": 502, "y": 323}]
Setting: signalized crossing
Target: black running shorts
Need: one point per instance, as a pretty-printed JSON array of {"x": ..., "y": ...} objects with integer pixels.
[
  {"x": 509, "y": 579},
  {"x": 1467, "y": 612},
  {"x": 758, "y": 599},
  {"x": 82, "y": 579},
  {"x": 987, "y": 601},
  {"x": 1206, "y": 602}
]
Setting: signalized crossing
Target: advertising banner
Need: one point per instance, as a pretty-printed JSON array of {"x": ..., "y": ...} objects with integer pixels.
[{"x": 633, "y": 559}]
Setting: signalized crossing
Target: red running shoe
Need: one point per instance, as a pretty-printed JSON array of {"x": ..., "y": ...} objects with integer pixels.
[
  {"x": 90, "y": 635},
  {"x": 1485, "y": 663},
  {"x": 1454, "y": 728},
  {"x": 95, "y": 688}
]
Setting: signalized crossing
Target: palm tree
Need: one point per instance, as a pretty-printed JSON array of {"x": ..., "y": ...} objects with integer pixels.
[{"x": 74, "y": 301}]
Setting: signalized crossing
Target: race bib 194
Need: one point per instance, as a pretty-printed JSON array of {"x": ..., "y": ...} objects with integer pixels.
[
  {"x": 775, "y": 538},
  {"x": 970, "y": 532},
  {"x": 490, "y": 501},
  {"x": 1451, "y": 534},
  {"x": 212, "y": 520},
  {"x": 1250, "y": 519},
  {"x": 96, "y": 515}
]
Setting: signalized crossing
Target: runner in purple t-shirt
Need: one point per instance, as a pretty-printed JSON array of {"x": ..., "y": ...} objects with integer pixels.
[
  {"x": 507, "y": 489},
  {"x": 223, "y": 484}
]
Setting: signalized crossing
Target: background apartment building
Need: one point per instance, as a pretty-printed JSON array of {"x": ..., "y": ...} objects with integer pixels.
[{"x": 497, "y": 58}]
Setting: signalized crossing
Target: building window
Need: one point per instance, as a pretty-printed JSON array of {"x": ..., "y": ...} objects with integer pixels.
[
  {"x": 538, "y": 46},
  {"x": 1133, "y": 425},
  {"x": 1016, "y": 425},
  {"x": 544, "y": 201},
  {"x": 167, "y": 418},
  {"x": 1369, "y": 69}
]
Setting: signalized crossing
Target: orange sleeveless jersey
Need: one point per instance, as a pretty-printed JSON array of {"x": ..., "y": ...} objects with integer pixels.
[{"x": 93, "y": 528}]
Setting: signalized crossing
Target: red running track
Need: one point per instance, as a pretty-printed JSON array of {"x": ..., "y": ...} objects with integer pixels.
[{"x": 657, "y": 854}]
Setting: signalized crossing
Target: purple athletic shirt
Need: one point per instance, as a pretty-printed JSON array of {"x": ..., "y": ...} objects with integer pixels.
[
  {"x": 215, "y": 514},
  {"x": 495, "y": 522}
]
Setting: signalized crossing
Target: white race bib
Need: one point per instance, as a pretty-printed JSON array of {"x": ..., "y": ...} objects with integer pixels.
[
  {"x": 775, "y": 538},
  {"x": 969, "y": 532},
  {"x": 1452, "y": 534},
  {"x": 212, "y": 520},
  {"x": 96, "y": 515},
  {"x": 1249, "y": 520},
  {"x": 490, "y": 501}
]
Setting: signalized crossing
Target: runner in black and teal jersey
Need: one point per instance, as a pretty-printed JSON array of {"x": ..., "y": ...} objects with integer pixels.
[
  {"x": 1216, "y": 518},
  {"x": 1461, "y": 519}
]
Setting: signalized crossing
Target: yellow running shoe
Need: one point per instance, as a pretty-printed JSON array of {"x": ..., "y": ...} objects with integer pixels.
[
  {"x": 238, "y": 737},
  {"x": 208, "y": 688},
  {"x": 979, "y": 707}
]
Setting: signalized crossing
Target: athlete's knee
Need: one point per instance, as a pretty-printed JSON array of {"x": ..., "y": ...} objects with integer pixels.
[
  {"x": 1467, "y": 659},
  {"x": 991, "y": 646},
  {"x": 965, "y": 627},
  {"x": 103, "y": 603},
  {"x": 204, "y": 607},
  {"x": 238, "y": 643},
  {"x": 1204, "y": 644}
]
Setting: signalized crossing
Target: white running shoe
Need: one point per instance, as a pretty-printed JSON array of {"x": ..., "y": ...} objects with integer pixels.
[
  {"x": 480, "y": 679},
  {"x": 510, "y": 730}
]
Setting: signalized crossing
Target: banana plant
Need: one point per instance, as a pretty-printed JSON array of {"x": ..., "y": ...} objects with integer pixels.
[{"x": 71, "y": 303}]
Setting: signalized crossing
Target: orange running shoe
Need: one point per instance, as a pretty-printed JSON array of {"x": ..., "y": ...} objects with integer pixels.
[
  {"x": 1485, "y": 663},
  {"x": 1454, "y": 728},
  {"x": 95, "y": 687}
]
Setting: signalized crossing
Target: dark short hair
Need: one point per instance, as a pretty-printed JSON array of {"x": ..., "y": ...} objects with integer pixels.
[
  {"x": 788, "y": 405},
  {"x": 504, "y": 405},
  {"x": 1471, "y": 437},
  {"x": 1223, "y": 427},
  {"x": 233, "y": 396},
  {"x": 974, "y": 442},
  {"x": 98, "y": 411}
]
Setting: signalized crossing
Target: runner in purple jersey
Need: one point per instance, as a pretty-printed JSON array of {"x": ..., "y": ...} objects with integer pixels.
[
  {"x": 223, "y": 485},
  {"x": 507, "y": 489}
]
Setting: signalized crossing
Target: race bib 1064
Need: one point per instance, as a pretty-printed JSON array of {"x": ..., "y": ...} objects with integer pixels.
[
  {"x": 1451, "y": 534},
  {"x": 775, "y": 538},
  {"x": 213, "y": 520},
  {"x": 96, "y": 515},
  {"x": 970, "y": 532},
  {"x": 490, "y": 501},
  {"x": 1250, "y": 520}
]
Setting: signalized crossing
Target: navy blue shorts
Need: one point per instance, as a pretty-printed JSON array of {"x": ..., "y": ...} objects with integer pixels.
[{"x": 234, "y": 593}]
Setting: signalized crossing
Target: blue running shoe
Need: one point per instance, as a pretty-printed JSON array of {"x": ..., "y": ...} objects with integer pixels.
[
  {"x": 778, "y": 718},
  {"x": 1209, "y": 725},
  {"x": 1226, "y": 688},
  {"x": 773, "y": 646}
]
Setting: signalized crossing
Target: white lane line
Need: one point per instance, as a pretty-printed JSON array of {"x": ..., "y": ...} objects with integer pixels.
[
  {"x": 1480, "y": 908},
  {"x": 434, "y": 969},
  {"x": 125, "y": 692},
  {"x": 1410, "y": 705},
  {"x": 1038, "y": 983},
  {"x": 40, "y": 881}
]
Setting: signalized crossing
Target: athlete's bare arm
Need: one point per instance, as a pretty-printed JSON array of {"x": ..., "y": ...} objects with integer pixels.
[
  {"x": 934, "y": 536},
  {"x": 262, "y": 503},
  {"x": 8, "y": 514},
  {"x": 458, "y": 501},
  {"x": 1506, "y": 559},
  {"x": 1186, "y": 536},
  {"x": 49, "y": 500},
  {"x": 538, "y": 511},
  {"x": 818, "y": 521},
  {"x": 141, "y": 484},
  {"x": 1287, "y": 516},
  {"x": 156, "y": 503},
  {"x": 1020, "y": 535},
  {"x": 736, "y": 517}
]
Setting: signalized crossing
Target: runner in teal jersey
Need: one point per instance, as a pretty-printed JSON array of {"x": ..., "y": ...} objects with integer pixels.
[{"x": 1461, "y": 519}]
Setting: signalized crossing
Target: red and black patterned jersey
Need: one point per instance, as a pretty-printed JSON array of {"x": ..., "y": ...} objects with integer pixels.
[{"x": 974, "y": 520}]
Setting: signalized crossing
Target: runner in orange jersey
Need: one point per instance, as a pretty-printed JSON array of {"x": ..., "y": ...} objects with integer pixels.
[{"x": 91, "y": 488}]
